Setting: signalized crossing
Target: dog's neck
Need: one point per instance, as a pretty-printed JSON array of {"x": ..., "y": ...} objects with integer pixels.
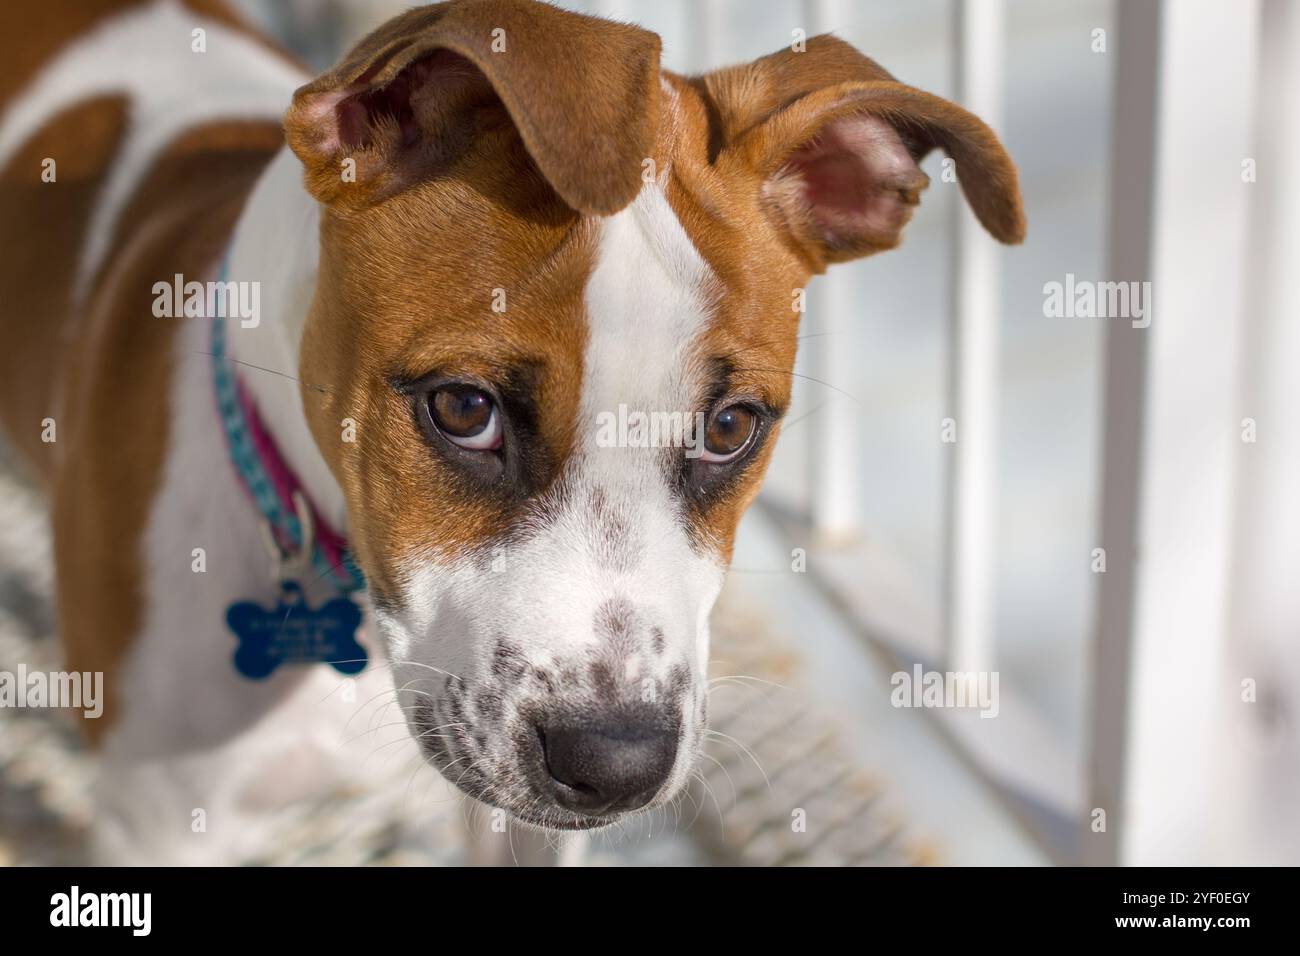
[{"x": 277, "y": 244}]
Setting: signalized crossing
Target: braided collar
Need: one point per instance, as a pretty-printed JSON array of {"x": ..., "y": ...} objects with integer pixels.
[{"x": 270, "y": 484}]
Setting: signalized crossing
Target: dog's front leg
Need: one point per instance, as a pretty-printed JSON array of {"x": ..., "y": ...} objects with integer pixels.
[{"x": 491, "y": 839}]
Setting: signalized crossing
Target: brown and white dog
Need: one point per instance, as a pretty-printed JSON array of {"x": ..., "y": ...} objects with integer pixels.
[{"x": 514, "y": 225}]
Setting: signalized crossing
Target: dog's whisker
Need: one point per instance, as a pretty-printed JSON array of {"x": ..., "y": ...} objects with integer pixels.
[
  {"x": 370, "y": 730},
  {"x": 787, "y": 425},
  {"x": 726, "y": 356},
  {"x": 428, "y": 735},
  {"x": 688, "y": 794},
  {"x": 366, "y": 706},
  {"x": 744, "y": 677},
  {"x": 699, "y": 803},
  {"x": 270, "y": 371},
  {"x": 708, "y": 789},
  {"x": 730, "y": 683},
  {"x": 731, "y": 782},
  {"x": 438, "y": 670},
  {"x": 719, "y": 735},
  {"x": 450, "y": 725},
  {"x": 389, "y": 665},
  {"x": 800, "y": 375}
]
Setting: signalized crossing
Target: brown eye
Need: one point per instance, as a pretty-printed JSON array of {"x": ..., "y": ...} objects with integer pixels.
[
  {"x": 466, "y": 416},
  {"x": 728, "y": 433}
]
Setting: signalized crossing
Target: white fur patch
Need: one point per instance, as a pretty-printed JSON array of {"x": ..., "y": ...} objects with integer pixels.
[
  {"x": 277, "y": 245},
  {"x": 647, "y": 308}
]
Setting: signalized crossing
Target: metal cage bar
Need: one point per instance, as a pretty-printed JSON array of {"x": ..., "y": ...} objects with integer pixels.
[{"x": 973, "y": 367}]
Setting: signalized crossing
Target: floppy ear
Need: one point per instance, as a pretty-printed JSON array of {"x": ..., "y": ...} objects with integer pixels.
[
  {"x": 836, "y": 141},
  {"x": 406, "y": 102}
]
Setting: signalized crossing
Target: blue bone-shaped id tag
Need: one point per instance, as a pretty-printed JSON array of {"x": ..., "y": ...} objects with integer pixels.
[{"x": 292, "y": 633}]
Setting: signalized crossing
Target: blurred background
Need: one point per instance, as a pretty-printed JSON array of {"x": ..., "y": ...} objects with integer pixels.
[{"x": 1115, "y": 531}]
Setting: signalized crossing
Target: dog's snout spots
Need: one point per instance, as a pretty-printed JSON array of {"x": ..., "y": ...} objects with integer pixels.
[
  {"x": 609, "y": 766},
  {"x": 544, "y": 679},
  {"x": 589, "y": 737},
  {"x": 507, "y": 661},
  {"x": 613, "y": 624},
  {"x": 603, "y": 679},
  {"x": 620, "y": 631}
]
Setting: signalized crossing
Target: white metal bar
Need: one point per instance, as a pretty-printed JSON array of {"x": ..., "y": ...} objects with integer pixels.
[
  {"x": 973, "y": 367},
  {"x": 836, "y": 457},
  {"x": 1257, "y": 808},
  {"x": 827, "y": 16},
  {"x": 1184, "y": 474},
  {"x": 1132, "y": 192},
  {"x": 706, "y": 27},
  {"x": 612, "y": 9},
  {"x": 836, "y": 440}
]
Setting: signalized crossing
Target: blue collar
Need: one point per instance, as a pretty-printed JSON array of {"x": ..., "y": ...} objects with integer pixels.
[{"x": 289, "y": 518}]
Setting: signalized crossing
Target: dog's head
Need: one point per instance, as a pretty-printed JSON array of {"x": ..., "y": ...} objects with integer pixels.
[{"x": 558, "y": 297}]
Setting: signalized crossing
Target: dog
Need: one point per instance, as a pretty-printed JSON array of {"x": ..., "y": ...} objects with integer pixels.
[{"x": 454, "y": 258}]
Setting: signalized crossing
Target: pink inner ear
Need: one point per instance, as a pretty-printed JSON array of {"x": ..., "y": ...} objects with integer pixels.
[
  {"x": 859, "y": 182},
  {"x": 441, "y": 73}
]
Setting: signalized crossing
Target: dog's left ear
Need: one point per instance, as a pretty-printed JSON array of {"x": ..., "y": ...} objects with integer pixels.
[
  {"x": 582, "y": 92},
  {"x": 834, "y": 143}
]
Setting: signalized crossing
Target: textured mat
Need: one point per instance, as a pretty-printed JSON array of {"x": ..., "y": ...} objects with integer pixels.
[{"x": 777, "y": 785}]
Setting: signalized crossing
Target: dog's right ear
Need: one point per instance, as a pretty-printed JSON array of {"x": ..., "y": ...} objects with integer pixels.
[
  {"x": 835, "y": 143},
  {"x": 582, "y": 93}
]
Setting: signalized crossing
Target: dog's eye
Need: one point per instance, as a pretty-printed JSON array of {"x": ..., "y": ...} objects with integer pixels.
[
  {"x": 467, "y": 417},
  {"x": 728, "y": 433}
]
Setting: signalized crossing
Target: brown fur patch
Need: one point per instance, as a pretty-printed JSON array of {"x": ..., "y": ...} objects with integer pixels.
[
  {"x": 753, "y": 329},
  {"x": 389, "y": 308},
  {"x": 582, "y": 93},
  {"x": 31, "y": 33},
  {"x": 41, "y": 228}
]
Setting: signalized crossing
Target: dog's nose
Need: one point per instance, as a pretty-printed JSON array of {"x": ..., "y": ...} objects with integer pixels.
[{"x": 610, "y": 767}]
